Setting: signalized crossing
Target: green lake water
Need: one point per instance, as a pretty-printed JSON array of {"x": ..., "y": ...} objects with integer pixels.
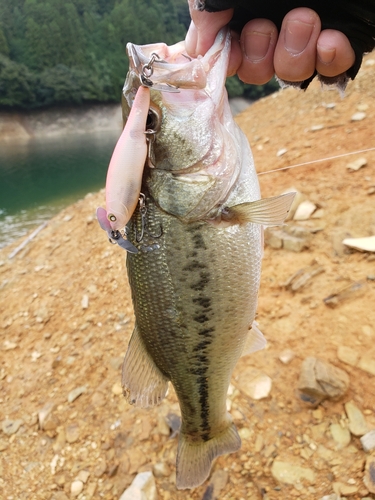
[{"x": 40, "y": 177}]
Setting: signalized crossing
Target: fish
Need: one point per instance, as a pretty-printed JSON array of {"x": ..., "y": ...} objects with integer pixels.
[{"x": 198, "y": 234}]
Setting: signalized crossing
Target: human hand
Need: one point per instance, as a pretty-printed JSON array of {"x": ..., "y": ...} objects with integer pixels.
[{"x": 260, "y": 51}]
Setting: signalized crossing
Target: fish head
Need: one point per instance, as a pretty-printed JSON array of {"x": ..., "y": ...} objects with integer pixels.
[{"x": 195, "y": 148}]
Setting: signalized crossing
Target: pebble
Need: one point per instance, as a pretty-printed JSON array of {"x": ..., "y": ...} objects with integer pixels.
[
  {"x": 357, "y": 164},
  {"x": 218, "y": 481},
  {"x": 357, "y": 117},
  {"x": 320, "y": 380},
  {"x": 333, "y": 496},
  {"x": 367, "y": 364},
  {"x": 340, "y": 435},
  {"x": 291, "y": 474},
  {"x": 143, "y": 487},
  {"x": 75, "y": 393},
  {"x": 369, "y": 479},
  {"x": 46, "y": 420},
  {"x": 281, "y": 152},
  {"x": 72, "y": 433},
  {"x": 83, "y": 476},
  {"x": 357, "y": 423},
  {"x": 76, "y": 488},
  {"x": 85, "y": 302},
  {"x": 117, "y": 389},
  {"x": 10, "y": 427},
  {"x": 286, "y": 356},
  {"x": 161, "y": 469},
  {"x": 347, "y": 355},
  {"x": 305, "y": 210},
  {"x": 346, "y": 489},
  {"x": 255, "y": 384},
  {"x": 368, "y": 441}
]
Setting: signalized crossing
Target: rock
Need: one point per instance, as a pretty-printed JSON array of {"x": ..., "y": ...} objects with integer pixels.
[
  {"x": 281, "y": 152},
  {"x": 117, "y": 389},
  {"x": 143, "y": 487},
  {"x": 85, "y": 302},
  {"x": 366, "y": 244},
  {"x": 83, "y": 476},
  {"x": 333, "y": 496},
  {"x": 76, "y": 488},
  {"x": 90, "y": 490},
  {"x": 174, "y": 423},
  {"x": 100, "y": 468},
  {"x": 320, "y": 380},
  {"x": 285, "y": 472},
  {"x": 161, "y": 469},
  {"x": 60, "y": 441},
  {"x": 294, "y": 243},
  {"x": 72, "y": 433},
  {"x": 47, "y": 420},
  {"x": 298, "y": 199},
  {"x": 357, "y": 423},
  {"x": 360, "y": 115},
  {"x": 357, "y": 164},
  {"x": 367, "y": 364},
  {"x": 75, "y": 393},
  {"x": 217, "y": 483},
  {"x": 286, "y": 356},
  {"x": 340, "y": 435},
  {"x": 346, "y": 489},
  {"x": 254, "y": 383},
  {"x": 305, "y": 210},
  {"x": 303, "y": 276},
  {"x": 368, "y": 441},
  {"x": 10, "y": 427},
  {"x": 369, "y": 478},
  {"x": 347, "y": 355},
  {"x": 315, "y": 128}
]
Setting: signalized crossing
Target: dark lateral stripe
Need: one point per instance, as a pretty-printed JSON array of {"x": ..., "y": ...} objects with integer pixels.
[
  {"x": 206, "y": 332},
  {"x": 202, "y": 345},
  {"x": 194, "y": 266}
]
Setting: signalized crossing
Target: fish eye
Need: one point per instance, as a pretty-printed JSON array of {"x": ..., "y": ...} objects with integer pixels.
[{"x": 153, "y": 120}]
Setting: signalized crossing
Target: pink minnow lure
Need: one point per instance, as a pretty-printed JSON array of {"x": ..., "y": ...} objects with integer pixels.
[{"x": 124, "y": 176}]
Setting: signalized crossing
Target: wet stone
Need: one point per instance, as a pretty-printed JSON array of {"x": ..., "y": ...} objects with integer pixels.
[{"x": 357, "y": 423}]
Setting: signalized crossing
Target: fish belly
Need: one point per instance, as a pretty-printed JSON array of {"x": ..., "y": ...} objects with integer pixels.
[{"x": 194, "y": 291}]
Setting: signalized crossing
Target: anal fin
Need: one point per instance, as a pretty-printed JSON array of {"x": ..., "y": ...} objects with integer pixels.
[
  {"x": 267, "y": 211},
  {"x": 143, "y": 383},
  {"x": 255, "y": 340},
  {"x": 194, "y": 459}
]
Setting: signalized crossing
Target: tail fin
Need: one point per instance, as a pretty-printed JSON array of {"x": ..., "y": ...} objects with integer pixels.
[{"x": 194, "y": 460}]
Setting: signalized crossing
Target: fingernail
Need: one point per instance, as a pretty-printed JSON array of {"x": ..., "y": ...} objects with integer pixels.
[
  {"x": 326, "y": 55},
  {"x": 256, "y": 45},
  {"x": 297, "y": 36},
  {"x": 191, "y": 40}
]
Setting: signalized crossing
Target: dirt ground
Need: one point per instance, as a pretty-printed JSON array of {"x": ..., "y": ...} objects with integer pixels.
[{"x": 66, "y": 317}]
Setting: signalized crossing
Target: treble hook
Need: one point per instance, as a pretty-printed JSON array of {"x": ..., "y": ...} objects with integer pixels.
[
  {"x": 147, "y": 72},
  {"x": 144, "y": 224}
]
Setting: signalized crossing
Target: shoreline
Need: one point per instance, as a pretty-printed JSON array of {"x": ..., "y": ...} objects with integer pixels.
[
  {"x": 23, "y": 126},
  {"x": 19, "y": 127}
]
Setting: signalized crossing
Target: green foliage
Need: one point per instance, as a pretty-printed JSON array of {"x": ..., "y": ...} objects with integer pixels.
[{"x": 74, "y": 51}]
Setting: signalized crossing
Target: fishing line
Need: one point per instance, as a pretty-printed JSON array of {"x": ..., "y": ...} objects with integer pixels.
[{"x": 317, "y": 161}]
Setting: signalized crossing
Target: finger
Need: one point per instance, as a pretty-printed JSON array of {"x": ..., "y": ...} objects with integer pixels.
[
  {"x": 204, "y": 28},
  {"x": 335, "y": 55},
  {"x": 295, "y": 53},
  {"x": 235, "y": 57},
  {"x": 258, "y": 42}
]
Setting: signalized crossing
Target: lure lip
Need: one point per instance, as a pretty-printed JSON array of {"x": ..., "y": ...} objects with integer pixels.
[{"x": 114, "y": 235}]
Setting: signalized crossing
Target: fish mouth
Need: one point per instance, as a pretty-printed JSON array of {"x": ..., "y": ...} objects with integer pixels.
[{"x": 170, "y": 68}]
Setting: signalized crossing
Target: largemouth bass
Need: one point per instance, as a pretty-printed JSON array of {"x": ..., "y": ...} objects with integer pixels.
[{"x": 197, "y": 235}]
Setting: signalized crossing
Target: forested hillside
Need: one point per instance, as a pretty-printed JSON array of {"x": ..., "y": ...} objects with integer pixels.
[{"x": 55, "y": 52}]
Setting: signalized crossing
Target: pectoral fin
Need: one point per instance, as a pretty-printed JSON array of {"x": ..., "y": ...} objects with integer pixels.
[
  {"x": 255, "y": 340},
  {"x": 268, "y": 211},
  {"x": 143, "y": 383}
]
